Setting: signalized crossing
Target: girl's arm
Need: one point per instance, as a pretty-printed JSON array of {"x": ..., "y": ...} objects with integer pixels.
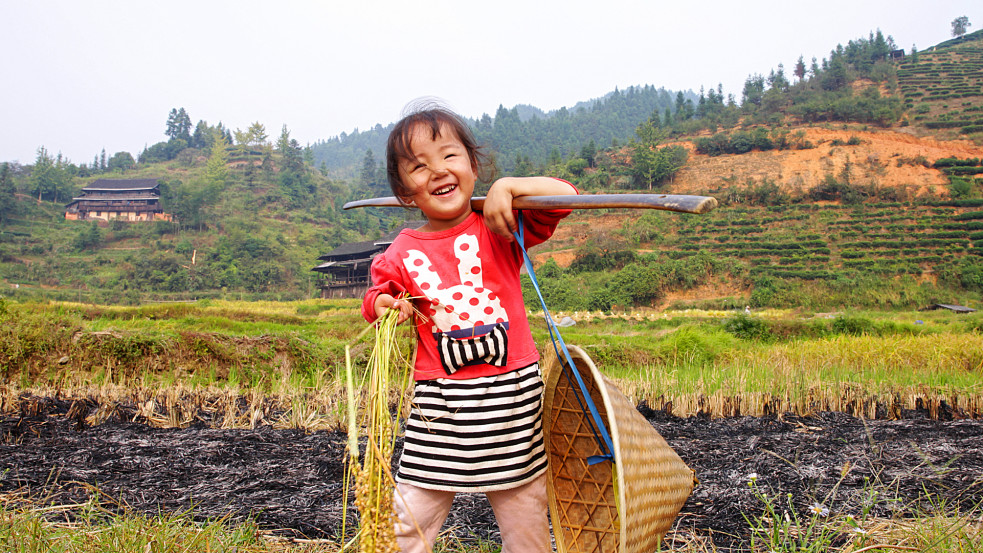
[
  {"x": 498, "y": 203},
  {"x": 387, "y": 294}
]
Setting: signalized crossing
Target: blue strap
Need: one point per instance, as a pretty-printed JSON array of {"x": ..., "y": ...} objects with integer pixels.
[{"x": 600, "y": 430}]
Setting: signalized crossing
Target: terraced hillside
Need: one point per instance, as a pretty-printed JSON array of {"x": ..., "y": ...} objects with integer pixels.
[
  {"x": 822, "y": 241},
  {"x": 831, "y": 245},
  {"x": 943, "y": 88}
]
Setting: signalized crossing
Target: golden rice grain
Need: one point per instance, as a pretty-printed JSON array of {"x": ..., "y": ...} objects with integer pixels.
[{"x": 387, "y": 375}]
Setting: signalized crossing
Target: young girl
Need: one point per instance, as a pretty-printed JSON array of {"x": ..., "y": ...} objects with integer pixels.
[{"x": 475, "y": 421}]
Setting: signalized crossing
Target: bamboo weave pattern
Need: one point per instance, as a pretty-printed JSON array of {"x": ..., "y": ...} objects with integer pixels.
[{"x": 626, "y": 507}]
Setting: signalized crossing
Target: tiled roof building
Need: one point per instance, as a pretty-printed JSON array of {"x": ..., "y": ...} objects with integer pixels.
[{"x": 127, "y": 199}]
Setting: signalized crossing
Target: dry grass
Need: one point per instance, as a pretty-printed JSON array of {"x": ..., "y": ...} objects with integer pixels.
[{"x": 868, "y": 376}]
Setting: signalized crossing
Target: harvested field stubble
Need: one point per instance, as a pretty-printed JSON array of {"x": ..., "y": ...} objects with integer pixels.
[{"x": 292, "y": 482}]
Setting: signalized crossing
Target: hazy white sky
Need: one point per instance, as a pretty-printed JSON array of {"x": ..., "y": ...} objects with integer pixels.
[{"x": 83, "y": 75}]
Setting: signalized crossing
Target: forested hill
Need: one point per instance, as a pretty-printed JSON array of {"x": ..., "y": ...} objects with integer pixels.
[{"x": 524, "y": 134}]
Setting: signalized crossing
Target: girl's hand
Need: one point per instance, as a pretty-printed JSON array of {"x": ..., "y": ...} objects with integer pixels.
[
  {"x": 498, "y": 202},
  {"x": 385, "y": 302},
  {"x": 497, "y": 210}
]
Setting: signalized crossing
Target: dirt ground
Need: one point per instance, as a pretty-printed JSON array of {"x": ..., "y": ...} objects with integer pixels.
[{"x": 291, "y": 482}]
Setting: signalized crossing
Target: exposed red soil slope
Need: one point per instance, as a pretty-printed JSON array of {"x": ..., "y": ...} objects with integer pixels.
[{"x": 886, "y": 158}]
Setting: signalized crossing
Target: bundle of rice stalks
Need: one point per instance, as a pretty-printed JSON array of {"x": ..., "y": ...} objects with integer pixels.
[{"x": 387, "y": 375}]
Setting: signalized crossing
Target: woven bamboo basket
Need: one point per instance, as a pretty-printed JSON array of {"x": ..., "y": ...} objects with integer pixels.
[{"x": 626, "y": 506}]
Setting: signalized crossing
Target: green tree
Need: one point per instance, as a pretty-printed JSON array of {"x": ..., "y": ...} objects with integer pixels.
[
  {"x": 88, "y": 237},
  {"x": 836, "y": 76},
  {"x": 800, "y": 69},
  {"x": 178, "y": 125},
  {"x": 242, "y": 141},
  {"x": 649, "y": 133},
  {"x": 589, "y": 153},
  {"x": 291, "y": 156},
  {"x": 369, "y": 176},
  {"x": 959, "y": 25},
  {"x": 216, "y": 170},
  {"x": 777, "y": 79},
  {"x": 523, "y": 166},
  {"x": 202, "y": 136},
  {"x": 48, "y": 181},
  {"x": 754, "y": 91},
  {"x": 256, "y": 134},
  {"x": 121, "y": 161},
  {"x": 163, "y": 151},
  {"x": 8, "y": 202},
  {"x": 555, "y": 157},
  {"x": 189, "y": 202},
  {"x": 576, "y": 166},
  {"x": 651, "y": 165}
]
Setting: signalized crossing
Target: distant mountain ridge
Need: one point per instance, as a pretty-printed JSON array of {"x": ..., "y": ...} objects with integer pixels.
[{"x": 522, "y": 130}]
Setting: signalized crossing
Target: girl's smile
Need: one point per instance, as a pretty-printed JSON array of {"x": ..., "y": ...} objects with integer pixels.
[{"x": 440, "y": 177}]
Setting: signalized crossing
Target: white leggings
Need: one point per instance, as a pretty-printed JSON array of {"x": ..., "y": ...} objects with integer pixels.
[{"x": 522, "y": 516}]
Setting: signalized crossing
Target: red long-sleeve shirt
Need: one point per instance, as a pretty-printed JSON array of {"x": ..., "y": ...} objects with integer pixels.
[{"x": 465, "y": 281}]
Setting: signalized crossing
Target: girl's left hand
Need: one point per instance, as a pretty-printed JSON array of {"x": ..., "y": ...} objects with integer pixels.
[
  {"x": 498, "y": 203},
  {"x": 497, "y": 210}
]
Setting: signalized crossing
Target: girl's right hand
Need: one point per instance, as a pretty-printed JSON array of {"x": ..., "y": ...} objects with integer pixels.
[{"x": 385, "y": 302}]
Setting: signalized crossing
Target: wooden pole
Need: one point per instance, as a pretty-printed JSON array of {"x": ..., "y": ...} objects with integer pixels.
[{"x": 666, "y": 202}]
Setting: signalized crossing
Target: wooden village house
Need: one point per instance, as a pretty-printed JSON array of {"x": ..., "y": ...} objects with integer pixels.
[
  {"x": 126, "y": 199},
  {"x": 345, "y": 269}
]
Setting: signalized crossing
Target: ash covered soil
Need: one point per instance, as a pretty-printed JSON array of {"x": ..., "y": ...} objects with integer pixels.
[{"x": 290, "y": 482}]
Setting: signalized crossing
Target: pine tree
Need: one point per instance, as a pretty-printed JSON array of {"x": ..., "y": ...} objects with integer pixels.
[
  {"x": 289, "y": 151},
  {"x": 588, "y": 152},
  {"x": 800, "y": 69},
  {"x": 368, "y": 176},
  {"x": 171, "y": 130},
  {"x": 8, "y": 204},
  {"x": 216, "y": 171},
  {"x": 202, "y": 135},
  {"x": 183, "y": 125}
]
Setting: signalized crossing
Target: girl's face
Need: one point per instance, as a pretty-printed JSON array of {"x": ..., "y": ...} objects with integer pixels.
[{"x": 440, "y": 177}]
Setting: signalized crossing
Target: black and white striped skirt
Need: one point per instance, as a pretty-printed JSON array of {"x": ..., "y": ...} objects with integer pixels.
[{"x": 481, "y": 434}]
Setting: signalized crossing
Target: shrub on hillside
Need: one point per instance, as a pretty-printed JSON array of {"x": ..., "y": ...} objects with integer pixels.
[
  {"x": 955, "y": 162},
  {"x": 748, "y": 328}
]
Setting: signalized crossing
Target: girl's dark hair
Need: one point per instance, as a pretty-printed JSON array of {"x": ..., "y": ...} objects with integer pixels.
[{"x": 432, "y": 115}]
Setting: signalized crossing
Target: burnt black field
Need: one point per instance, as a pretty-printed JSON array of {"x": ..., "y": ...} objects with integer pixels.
[{"x": 291, "y": 482}]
